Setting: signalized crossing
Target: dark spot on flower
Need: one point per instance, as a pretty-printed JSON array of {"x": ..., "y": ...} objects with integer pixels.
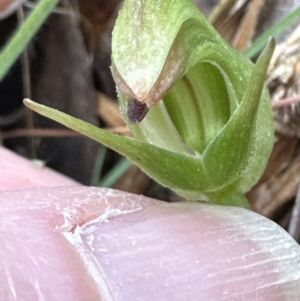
[{"x": 136, "y": 110}]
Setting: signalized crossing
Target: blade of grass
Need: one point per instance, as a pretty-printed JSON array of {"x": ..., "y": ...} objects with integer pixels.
[
  {"x": 24, "y": 34},
  {"x": 115, "y": 173},
  {"x": 98, "y": 167},
  {"x": 273, "y": 31}
]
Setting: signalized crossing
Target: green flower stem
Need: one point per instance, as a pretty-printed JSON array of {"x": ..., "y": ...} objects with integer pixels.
[{"x": 22, "y": 37}]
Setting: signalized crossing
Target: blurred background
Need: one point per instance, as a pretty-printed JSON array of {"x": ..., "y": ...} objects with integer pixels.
[{"x": 67, "y": 66}]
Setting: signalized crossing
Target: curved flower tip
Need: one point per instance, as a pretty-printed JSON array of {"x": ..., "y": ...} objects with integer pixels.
[
  {"x": 145, "y": 59},
  {"x": 214, "y": 104}
]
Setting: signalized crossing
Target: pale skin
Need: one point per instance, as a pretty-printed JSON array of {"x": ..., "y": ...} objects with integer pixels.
[
  {"x": 64, "y": 241},
  {"x": 7, "y": 7},
  {"x": 4, "y": 4}
]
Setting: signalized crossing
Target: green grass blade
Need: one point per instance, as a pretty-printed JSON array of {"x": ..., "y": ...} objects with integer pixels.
[
  {"x": 273, "y": 31},
  {"x": 98, "y": 166},
  {"x": 115, "y": 173},
  {"x": 24, "y": 34}
]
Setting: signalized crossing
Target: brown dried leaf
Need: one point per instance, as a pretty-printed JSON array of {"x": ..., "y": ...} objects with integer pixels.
[
  {"x": 226, "y": 17},
  {"x": 246, "y": 30},
  {"x": 280, "y": 180},
  {"x": 109, "y": 111}
]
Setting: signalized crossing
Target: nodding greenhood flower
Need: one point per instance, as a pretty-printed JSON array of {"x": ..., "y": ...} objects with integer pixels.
[{"x": 200, "y": 115}]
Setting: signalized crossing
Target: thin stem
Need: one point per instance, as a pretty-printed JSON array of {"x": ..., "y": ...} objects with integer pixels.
[
  {"x": 286, "y": 101},
  {"x": 39, "y": 132},
  {"x": 27, "y": 85},
  {"x": 98, "y": 166},
  {"x": 115, "y": 173}
]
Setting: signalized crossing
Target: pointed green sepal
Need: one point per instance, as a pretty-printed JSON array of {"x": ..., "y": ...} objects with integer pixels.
[
  {"x": 234, "y": 150},
  {"x": 198, "y": 110},
  {"x": 159, "y": 163}
]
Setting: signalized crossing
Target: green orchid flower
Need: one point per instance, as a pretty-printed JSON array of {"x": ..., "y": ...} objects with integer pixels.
[{"x": 199, "y": 112}]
